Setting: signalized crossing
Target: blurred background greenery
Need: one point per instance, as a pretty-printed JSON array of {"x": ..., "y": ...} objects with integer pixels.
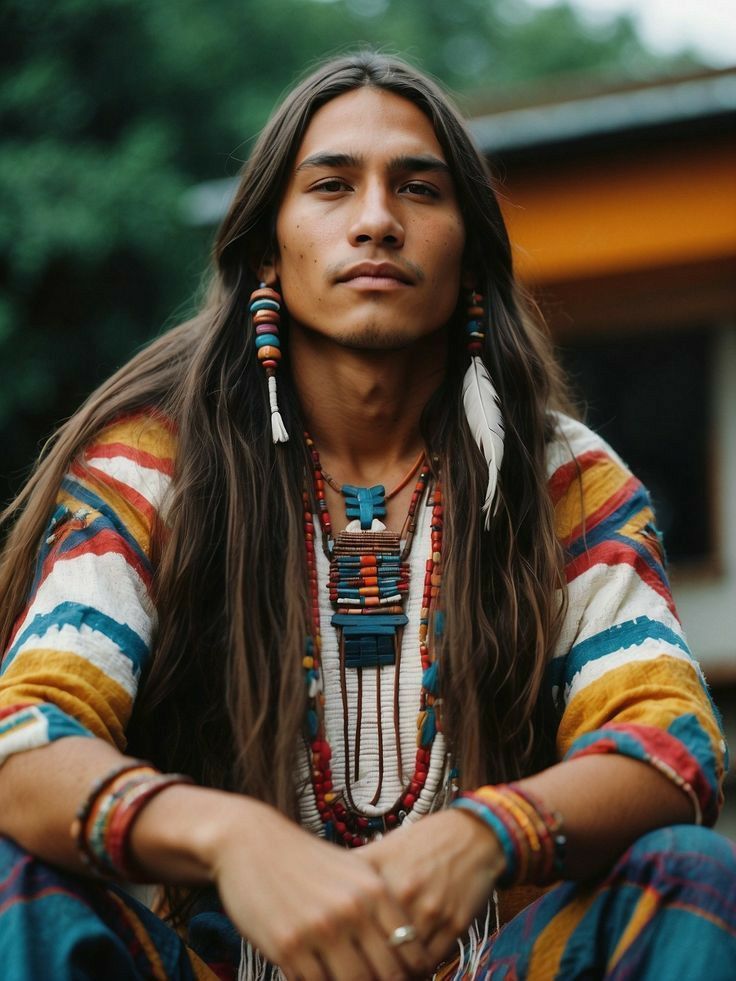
[{"x": 112, "y": 110}]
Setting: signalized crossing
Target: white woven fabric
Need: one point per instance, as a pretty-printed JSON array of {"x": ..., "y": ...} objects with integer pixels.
[{"x": 410, "y": 683}]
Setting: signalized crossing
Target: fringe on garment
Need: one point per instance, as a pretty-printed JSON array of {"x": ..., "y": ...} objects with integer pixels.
[{"x": 255, "y": 967}]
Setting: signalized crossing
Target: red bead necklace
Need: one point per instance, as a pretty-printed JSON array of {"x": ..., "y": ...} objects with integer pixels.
[{"x": 340, "y": 817}]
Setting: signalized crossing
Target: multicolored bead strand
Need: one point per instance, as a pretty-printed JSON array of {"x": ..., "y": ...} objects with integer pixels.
[
  {"x": 319, "y": 491},
  {"x": 529, "y": 834},
  {"x": 265, "y": 307},
  {"x": 429, "y": 721},
  {"x": 103, "y": 823},
  {"x": 340, "y": 817},
  {"x": 475, "y": 326},
  {"x": 311, "y": 661}
]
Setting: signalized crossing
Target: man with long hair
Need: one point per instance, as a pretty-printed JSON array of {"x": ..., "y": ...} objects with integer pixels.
[{"x": 333, "y": 563}]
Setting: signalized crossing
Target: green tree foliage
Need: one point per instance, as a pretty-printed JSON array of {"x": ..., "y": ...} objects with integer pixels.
[{"x": 111, "y": 109}]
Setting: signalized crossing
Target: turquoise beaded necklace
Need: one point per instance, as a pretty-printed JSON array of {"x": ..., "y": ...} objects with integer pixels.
[{"x": 368, "y": 580}]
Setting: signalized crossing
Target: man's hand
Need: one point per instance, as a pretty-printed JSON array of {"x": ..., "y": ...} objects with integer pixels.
[
  {"x": 441, "y": 870},
  {"x": 313, "y": 909}
]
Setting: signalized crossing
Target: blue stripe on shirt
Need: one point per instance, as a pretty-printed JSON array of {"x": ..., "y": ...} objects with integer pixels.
[
  {"x": 78, "y": 615},
  {"x": 97, "y": 503},
  {"x": 616, "y": 638}
]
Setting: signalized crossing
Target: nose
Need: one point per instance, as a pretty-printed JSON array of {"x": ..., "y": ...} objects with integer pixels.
[{"x": 376, "y": 218}]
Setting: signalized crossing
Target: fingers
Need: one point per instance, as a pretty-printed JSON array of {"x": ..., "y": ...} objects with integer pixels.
[
  {"x": 350, "y": 939},
  {"x": 382, "y": 915},
  {"x": 438, "y": 919},
  {"x": 305, "y": 967},
  {"x": 389, "y": 961},
  {"x": 443, "y": 945},
  {"x": 369, "y": 956},
  {"x": 346, "y": 960},
  {"x": 331, "y": 961},
  {"x": 411, "y": 955},
  {"x": 364, "y": 957}
]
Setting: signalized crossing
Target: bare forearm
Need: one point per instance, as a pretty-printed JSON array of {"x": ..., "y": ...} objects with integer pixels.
[
  {"x": 173, "y": 840},
  {"x": 41, "y": 790},
  {"x": 301, "y": 901},
  {"x": 606, "y": 803}
]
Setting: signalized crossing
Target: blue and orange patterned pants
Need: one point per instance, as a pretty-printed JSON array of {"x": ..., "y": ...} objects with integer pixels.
[{"x": 666, "y": 911}]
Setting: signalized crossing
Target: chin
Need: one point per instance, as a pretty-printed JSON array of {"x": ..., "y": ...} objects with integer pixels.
[{"x": 375, "y": 337}]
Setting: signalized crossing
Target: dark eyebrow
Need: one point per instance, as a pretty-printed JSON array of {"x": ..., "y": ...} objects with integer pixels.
[
  {"x": 419, "y": 164},
  {"x": 330, "y": 160}
]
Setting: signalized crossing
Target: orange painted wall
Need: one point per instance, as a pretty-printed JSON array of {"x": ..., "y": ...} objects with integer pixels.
[{"x": 578, "y": 219}]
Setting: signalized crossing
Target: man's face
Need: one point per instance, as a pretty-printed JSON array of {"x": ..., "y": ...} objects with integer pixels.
[{"x": 370, "y": 236}]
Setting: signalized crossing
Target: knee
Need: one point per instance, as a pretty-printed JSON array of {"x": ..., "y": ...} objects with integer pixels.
[
  {"x": 680, "y": 853},
  {"x": 12, "y": 857},
  {"x": 688, "y": 839},
  {"x": 24, "y": 876}
]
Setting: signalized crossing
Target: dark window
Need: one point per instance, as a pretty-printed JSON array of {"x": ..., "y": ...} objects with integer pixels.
[{"x": 649, "y": 396}]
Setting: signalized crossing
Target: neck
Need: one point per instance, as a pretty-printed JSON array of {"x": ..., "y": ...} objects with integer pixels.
[{"x": 363, "y": 407}]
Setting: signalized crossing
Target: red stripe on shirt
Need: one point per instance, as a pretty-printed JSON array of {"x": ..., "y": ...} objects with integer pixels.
[
  {"x": 136, "y": 500},
  {"x": 563, "y": 477},
  {"x": 141, "y": 457},
  {"x": 662, "y": 747},
  {"x": 614, "y": 553}
]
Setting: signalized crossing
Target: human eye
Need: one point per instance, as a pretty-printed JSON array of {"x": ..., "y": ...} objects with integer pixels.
[
  {"x": 421, "y": 189},
  {"x": 331, "y": 185}
]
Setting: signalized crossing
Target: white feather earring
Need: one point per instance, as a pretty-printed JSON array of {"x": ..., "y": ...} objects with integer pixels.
[{"x": 483, "y": 406}]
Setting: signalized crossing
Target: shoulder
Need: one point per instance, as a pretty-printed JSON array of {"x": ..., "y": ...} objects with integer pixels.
[
  {"x": 588, "y": 481},
  {"x": 124, "y": 473},
  {"x": 573, "y": 445},
  {"x": 146, "y": 438}
]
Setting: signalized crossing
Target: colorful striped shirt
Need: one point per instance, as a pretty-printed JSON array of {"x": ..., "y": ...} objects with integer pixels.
[
  {"x": 81, "y": 644},
  {"x": 621, "y": 673}
]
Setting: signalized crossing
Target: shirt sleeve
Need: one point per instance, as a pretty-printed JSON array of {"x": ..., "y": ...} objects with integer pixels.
[
  {"x": 80, "y": 645},
  {"x": 622, "y": 675}
]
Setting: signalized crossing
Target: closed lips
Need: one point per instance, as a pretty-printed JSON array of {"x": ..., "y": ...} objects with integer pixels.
[{"x": 382, "y": 271}]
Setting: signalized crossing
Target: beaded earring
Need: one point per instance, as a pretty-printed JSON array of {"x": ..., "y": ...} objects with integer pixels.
[
  {"x": 482, "y": 404},
  {"x": 265, "y": 306}
]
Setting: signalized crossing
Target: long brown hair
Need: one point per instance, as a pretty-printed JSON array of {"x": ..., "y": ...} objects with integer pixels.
[{"x": 224, "y": 696}]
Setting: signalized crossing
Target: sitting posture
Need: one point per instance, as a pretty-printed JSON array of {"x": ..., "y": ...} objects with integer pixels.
[{"x": 327, "y": 615}]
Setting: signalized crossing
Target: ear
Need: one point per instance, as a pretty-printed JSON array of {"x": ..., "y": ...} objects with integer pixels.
[
  {"x": 267, "y": 270},
  {"x": 468, "y": 279}
]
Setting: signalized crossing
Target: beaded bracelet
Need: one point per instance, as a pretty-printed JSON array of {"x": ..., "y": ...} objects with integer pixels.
[
  {"x": 509, "y": 842},
  {"x": 528, "y": 833},
  {"x": 131, "y": 804},
  {"x": 82, "y": 816},
  {"x": 96, "y": 826},
  {"x": 103, "y": 824},
  {"x": 553, "y": 822}
]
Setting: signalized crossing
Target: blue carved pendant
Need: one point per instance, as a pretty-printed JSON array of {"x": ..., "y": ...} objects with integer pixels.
[{"x": 364, "y": 503}]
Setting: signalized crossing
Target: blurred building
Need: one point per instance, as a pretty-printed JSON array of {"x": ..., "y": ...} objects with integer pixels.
[
  {"x": 621, "y": 207},
  {"x": 622, "y": 210}
]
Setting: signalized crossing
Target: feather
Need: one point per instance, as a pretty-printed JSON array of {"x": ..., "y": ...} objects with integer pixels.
[{"x": 483, "y": 412}]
